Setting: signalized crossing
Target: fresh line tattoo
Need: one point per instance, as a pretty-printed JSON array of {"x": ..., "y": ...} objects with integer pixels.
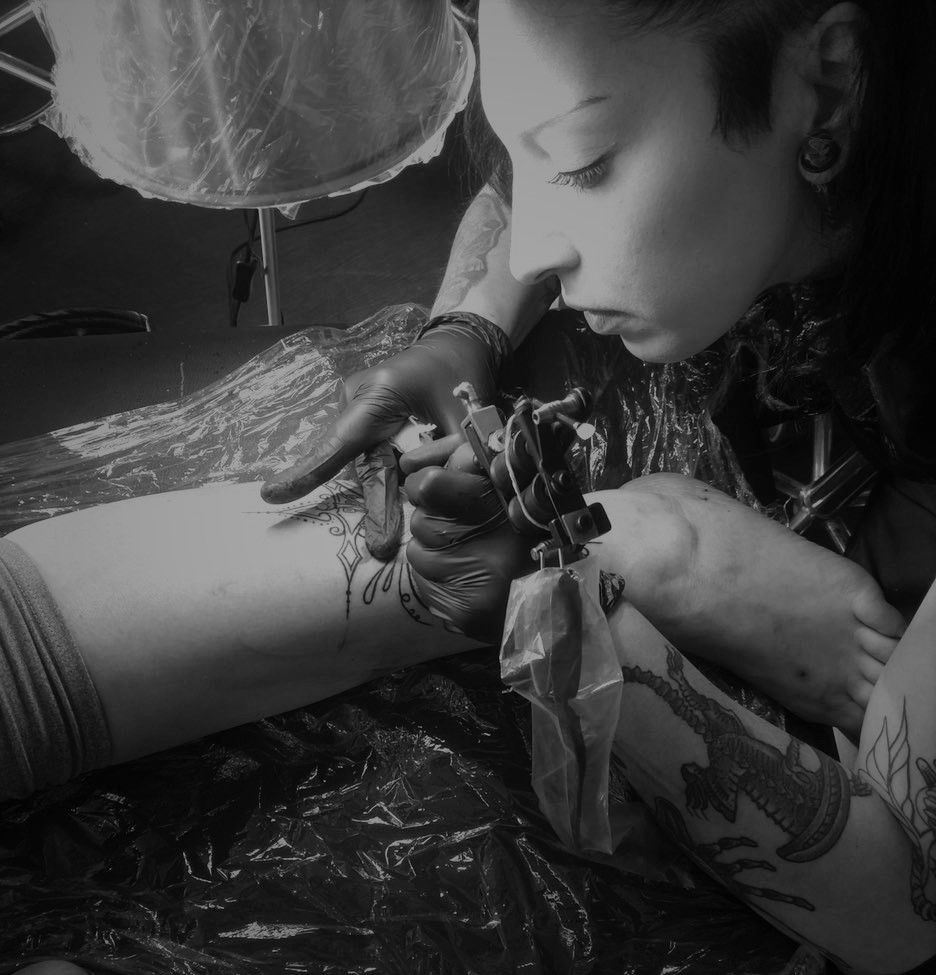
[
  {"x": 476, "y": 238},
  {"x": 809, "y": 804},
  {"x": 912, "y": 800},
  {"x": 341, "y": 511}
]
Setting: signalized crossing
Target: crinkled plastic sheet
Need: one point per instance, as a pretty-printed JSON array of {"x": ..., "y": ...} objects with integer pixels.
[
  {"x": 391, "y": 829},
  {"x": 266, "y": 103},
  {"x": 648, "y": 418}
]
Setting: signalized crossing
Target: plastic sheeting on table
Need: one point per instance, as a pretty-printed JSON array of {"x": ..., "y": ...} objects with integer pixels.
[
  {"x": 391, "y": 829},
  {"x": 266, "y": 103},
  {"x": 270, "y": 411}
]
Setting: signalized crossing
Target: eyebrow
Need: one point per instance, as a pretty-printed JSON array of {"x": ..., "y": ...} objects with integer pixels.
[{"x": 592, "y": 100}]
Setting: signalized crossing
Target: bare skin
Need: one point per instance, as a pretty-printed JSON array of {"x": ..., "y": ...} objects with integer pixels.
[{"x": 805, "y": 625}]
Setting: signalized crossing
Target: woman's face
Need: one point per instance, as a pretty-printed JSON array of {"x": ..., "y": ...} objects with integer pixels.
[{"x": 659, "y": 229}]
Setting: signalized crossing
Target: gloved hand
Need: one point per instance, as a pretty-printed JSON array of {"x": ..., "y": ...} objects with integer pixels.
[
  {"x": 466, "y": 549},
  {"x": 464, "y": 554},
  {"x": 376, "y": 402}
]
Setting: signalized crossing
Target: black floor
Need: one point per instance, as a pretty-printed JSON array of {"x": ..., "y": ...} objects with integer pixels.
[{"x": 70, "y": 240}]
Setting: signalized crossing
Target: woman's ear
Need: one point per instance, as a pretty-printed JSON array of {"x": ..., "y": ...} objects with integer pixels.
[{"x": 832, "y": 66}]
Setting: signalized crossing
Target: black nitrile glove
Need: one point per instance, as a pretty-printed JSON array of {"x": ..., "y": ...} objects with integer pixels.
[
  {"x": 466, "y": 549},
  {"x": 464, "y": 554},
  {"x": 376, "y": 402}
]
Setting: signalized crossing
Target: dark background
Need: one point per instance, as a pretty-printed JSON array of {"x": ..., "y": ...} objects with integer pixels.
[{"x": 69, "y": 239}]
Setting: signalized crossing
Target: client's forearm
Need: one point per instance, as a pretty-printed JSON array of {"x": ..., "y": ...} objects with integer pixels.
[
  {"x": 801, "y": 838},
  {"x": 200, "y": 610}
]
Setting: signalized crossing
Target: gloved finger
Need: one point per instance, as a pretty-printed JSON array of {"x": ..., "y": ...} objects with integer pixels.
[
  {"x": 452, "y": 494},
  {"x": 429, "y": 566},
  {"x": 463, "y": 459},
  {"x": 429, "y": 594},
  {"x": 379, "y": 477},
  {"x": 472, "y": 607},
  {"x": 443, "y": 534},
  {"x": 433, "y": 454},
  {"x": 367, "y": 420}
]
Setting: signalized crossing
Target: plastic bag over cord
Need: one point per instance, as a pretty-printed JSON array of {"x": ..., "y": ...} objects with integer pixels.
[
  {"x": 557, "y": 652},
  {"x": 390, "y": 829},
  {"x": 259, "y": 104}
]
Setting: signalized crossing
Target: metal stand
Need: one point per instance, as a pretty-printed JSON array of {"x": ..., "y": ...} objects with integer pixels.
[
  {"x": 270, "y": 265},
  {"x": 831, "y": 489},
  {"x": 23, "y": 70},
  {"x": 16, "y": 18},
  {"x": 43, "y": 79},
  {"x": 15, "y": 66}
]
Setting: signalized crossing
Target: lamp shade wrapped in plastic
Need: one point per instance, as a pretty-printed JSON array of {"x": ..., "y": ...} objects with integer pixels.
[{"x": 257, "y": 102}]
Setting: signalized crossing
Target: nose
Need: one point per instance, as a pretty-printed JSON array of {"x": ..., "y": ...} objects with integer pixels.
[{"x": 538, "y": 247}]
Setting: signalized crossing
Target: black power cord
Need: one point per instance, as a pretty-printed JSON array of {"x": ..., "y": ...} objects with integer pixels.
[{"x": 245, "y": 261}]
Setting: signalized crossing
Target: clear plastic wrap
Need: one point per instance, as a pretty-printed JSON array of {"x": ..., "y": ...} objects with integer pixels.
[
  {"x": 558, "y": 654},
  {"x": 391, "y": 829},
  {"x": 265, "y": 414},
  {"x": 266, "y": 103}
]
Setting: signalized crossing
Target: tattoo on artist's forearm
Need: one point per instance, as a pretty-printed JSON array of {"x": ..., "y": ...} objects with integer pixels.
[
  {"x": 340, "y": 510},
  {"x": 911, "y": 796},
  {"x": 475, "y": 240},
  {"x": 809, "y": 802}
]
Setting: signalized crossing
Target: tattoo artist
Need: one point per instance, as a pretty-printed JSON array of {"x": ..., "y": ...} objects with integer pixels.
[{"x": 662, "y": 166}]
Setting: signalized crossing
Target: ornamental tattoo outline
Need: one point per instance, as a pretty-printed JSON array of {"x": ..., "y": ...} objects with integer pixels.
[
  {"x": 341, "y": 511},
  {"x": 888, "y": 765}
]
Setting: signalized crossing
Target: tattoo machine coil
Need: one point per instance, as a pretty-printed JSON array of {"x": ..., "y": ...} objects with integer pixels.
[{"x": 552, "y": 503}]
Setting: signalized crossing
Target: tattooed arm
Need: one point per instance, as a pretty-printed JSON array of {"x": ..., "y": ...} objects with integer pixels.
[
  {"x": 897, "y": 751},
  {"x": 842, "y": 858},
  {"x": 200, "y": 610},
  {"x": 478, "y": 277}
]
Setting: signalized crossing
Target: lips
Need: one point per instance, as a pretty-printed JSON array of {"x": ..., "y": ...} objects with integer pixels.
[
  {"x": 589, "y": 310},
  {"x": 611, "y": 323},
  {"x": 603, "y": 321}
]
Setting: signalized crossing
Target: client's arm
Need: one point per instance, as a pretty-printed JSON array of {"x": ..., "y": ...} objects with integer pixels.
[
  {"x": 200, "y": 610},
  {"x": 844, "y": 857}
]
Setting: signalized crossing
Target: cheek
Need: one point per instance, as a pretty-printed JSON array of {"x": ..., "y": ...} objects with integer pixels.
[{"x": 687, "y": 235}]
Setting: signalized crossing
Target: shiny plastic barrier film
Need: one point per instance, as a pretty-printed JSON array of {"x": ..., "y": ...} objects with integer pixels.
[
  {"x": 254, "y": 104},
  {"x": 558, "y": 653},
  {"x": 390, "y": 829}
]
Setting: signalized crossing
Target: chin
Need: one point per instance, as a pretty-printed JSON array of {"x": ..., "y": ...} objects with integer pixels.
[
  {"x": 659, "y": 346},
  {"x": 654, "y": 348}
]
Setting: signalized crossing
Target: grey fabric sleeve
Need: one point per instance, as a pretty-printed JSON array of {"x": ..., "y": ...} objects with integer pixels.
[{"x": 52, "y": 724}]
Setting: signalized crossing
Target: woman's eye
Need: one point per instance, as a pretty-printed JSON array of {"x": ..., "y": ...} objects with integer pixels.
[{"x": 582, "y": 179}]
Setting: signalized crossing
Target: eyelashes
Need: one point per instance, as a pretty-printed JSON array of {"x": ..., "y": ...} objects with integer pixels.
[{"x": 585, "y": 178}]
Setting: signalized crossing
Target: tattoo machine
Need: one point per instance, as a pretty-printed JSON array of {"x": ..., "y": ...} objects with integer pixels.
[
  {"x": 557, "y": 651},
  {"x": 552, "y": 503}
]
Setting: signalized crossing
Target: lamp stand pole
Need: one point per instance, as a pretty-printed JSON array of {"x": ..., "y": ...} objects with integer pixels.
[{"x": 270, "y": 265}]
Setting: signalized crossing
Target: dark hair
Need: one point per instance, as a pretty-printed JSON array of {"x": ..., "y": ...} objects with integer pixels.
[{"x": 886, "y": 195}]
